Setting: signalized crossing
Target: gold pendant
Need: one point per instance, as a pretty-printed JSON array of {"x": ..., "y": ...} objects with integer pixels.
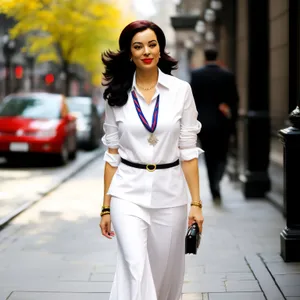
[{"x": 152, "y": 139}]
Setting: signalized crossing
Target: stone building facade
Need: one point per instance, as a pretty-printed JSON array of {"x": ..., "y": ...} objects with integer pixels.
[
  {"x": 235, "y": 39},
  {"x": 259, "y": 41}
]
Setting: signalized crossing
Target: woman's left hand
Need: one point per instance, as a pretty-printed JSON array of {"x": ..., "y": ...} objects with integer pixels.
[{"x": 196, "y": 216}]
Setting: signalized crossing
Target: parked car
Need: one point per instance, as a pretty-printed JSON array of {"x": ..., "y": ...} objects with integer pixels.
[
  {"x": 101, "y": 114},
  {"x": 37, "y": 123},
  {"x": 88, "y": 121}
]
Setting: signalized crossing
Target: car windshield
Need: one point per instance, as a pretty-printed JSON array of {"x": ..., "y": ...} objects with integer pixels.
[
  {"x": 81, "y": 105},
  {"x": 31, "y": 107}
]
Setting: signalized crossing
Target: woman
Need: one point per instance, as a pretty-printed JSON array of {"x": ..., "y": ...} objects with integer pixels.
[{"x": 151, "y": 125}]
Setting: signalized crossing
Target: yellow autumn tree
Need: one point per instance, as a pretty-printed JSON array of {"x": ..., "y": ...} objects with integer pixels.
[{"x": 67, "y": 31}]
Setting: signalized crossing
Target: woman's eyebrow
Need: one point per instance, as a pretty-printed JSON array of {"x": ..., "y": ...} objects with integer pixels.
[{"x": 142, "y": 43}]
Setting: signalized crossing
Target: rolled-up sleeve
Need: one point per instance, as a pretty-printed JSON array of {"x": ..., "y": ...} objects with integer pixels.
[
  {"x": 189, "y": 128},
  {"x": 111, "y": 136},
  {"x": 112, "y": 158},
  {"x": 111, "y": 133}
]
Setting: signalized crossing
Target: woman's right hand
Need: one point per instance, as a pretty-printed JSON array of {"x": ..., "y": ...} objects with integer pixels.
[{"x": 105, "y": 225}]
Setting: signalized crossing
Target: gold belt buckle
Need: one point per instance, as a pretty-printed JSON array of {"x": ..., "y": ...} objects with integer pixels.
[{"x": 153, "y": 167}]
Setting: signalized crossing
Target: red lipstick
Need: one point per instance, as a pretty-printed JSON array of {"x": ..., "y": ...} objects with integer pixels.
[{"x": 147, "y": 60}]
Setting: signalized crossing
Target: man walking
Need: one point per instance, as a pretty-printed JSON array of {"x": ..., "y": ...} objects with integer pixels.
[{"x": 216, "y": 98}]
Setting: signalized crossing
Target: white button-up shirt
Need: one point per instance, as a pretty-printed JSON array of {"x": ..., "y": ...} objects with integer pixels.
[{"x": 176, "y": 131}]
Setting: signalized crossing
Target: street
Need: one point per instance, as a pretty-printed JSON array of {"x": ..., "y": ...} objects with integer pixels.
[
  {"x": 54, "y": 249},
  {"x": 21, "y": 186}
]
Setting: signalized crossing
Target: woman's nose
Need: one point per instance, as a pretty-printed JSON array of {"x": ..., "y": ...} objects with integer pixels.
[{"x": 147, "y": 51}]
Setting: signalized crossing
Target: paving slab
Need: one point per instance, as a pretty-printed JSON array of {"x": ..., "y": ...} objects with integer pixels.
[
  {"x": 291, "y": 290},
  {"x": 57, "y": 296},
  {"x": 264, "y": 278},
  {"x": 286, "y": 275},
  {"x": 237, "y": 296},
  {"x": 284, "y": 268},
  {"x": 5, "y": 293},
  {"x": 104, "y": 277},
  {"x": 195, "y": 297},
  {"x": 288, "y": 279},
  {"x": 242, "y": 286},
  {"x": 203, "y": 287}
]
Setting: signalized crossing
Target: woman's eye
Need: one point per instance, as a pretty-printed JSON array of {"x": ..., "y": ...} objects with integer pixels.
[
  {"x": 137, "y": 47},
  {"x": 152, "y": 45}
]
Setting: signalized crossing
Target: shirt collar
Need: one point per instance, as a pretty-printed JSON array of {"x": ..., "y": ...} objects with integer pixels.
[{"x": 163, "y": 80}]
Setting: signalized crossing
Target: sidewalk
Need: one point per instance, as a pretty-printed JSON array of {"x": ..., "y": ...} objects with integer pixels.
[
  {"x": 21, "y": 187},
  {"x": 55, "y": 250}
]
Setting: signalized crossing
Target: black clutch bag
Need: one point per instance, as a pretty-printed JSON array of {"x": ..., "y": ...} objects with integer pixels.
[{"x": 192, "y": 239}]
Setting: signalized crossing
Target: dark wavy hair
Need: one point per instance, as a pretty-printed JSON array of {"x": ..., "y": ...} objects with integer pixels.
[{"x": 119, "y": 70}]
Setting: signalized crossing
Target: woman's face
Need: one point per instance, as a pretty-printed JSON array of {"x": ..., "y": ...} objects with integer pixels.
[{"x": 145, "y": 51}]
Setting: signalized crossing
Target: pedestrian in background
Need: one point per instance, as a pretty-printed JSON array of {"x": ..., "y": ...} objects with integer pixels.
[
  {"x": 215, "y": 92},
  {"x": 151, "y": 131}
]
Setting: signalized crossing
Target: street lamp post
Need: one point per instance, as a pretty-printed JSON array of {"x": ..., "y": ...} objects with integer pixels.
[
  {"x": 30, "y": 69},
  {"x": 290, "y": 235},
  {"x": 216, "y": 5},
  {"x": 210, "y": 36},
  {"x": 189, "y": 45},
  {"x": 9, "y": 49},
  {"x": 200, "y": 27},
  {"x": 209, "y": 15}
]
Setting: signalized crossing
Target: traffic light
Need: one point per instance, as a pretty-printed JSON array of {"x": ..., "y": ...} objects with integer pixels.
[
  {"x": 49, "y": 79},
  {"x": 19, "y": 72}
]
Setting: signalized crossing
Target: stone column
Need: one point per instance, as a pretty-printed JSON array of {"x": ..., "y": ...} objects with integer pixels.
[{"x": 255, "y": 178}]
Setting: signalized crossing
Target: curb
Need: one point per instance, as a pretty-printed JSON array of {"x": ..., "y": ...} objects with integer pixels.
[
  {"x": 54, "y": 185},
  {"x": 264, "y": 278}
]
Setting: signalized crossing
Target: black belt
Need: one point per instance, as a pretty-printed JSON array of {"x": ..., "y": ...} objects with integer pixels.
[{"x": 150, "y": 167}]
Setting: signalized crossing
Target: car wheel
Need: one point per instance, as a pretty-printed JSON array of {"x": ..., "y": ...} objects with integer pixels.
[
  {"x": 95, "y": 139},
  {"x": 63, "y": 157},
  {"x": 8, "y": 161},
  {"x": 3, "y": 159},
  {"x": 96, "y": 142}
]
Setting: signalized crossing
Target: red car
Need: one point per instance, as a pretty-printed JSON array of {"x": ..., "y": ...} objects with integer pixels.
[{"x": 37, "y": 123}]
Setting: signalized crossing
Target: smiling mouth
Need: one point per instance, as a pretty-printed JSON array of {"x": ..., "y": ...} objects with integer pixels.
[{"x": 147, "y": 60}]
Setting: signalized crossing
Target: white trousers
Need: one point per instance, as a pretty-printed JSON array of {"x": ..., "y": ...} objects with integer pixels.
[{"x": 150, "y": 258}]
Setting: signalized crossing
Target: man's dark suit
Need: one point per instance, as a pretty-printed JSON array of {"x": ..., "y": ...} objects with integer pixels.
[{"x": 211, "y": 86}]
